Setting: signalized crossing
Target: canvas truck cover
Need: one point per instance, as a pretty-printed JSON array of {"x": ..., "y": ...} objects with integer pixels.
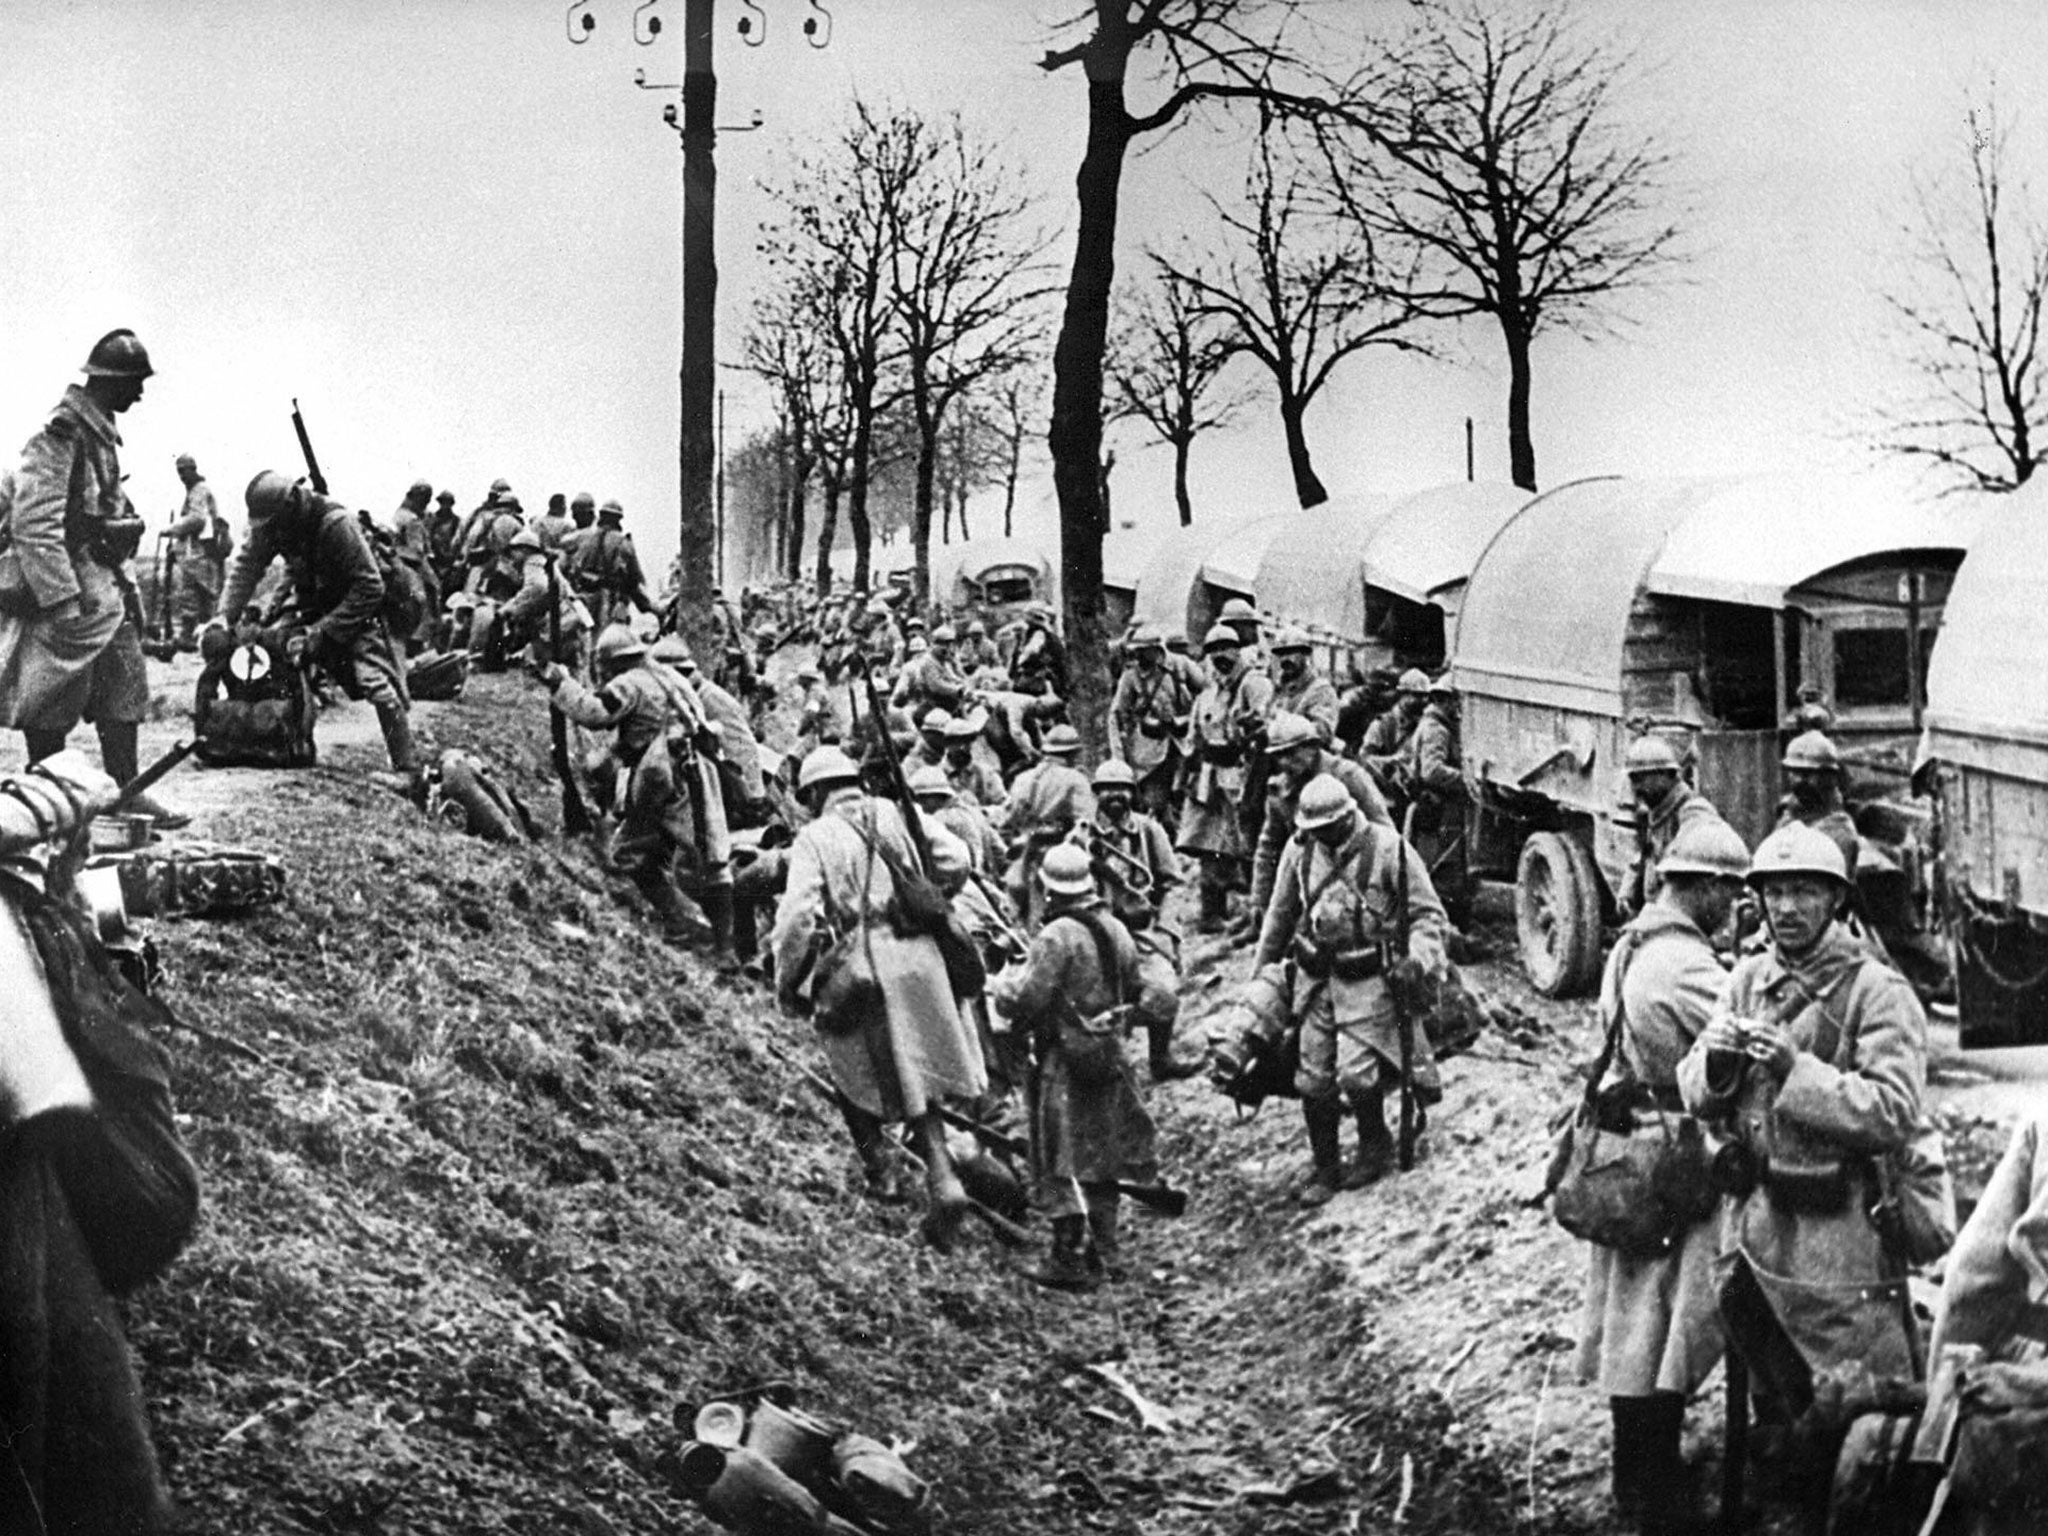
[
  {"x": 1313, "y": 572},
  {"x": 1429, "y": 541}
]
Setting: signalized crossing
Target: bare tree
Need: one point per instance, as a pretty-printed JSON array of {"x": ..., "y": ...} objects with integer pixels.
[
  {"x": 965, "y": 288},
  {"x": 1487, "y": 141},
  {"x": 1972, "y": 318},
  {"x": 1207, "y": 51},
  {"x": 782, "y": 346},
  {"x": 1161, "y": 370}
]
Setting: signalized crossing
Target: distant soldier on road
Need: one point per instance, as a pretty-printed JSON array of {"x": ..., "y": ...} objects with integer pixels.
[
  {"x": 71, "y": 636},
  {"x": 200, "y": 545}
]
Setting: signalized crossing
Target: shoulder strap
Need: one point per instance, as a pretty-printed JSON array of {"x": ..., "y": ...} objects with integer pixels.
[
  {"x": 1105, "y": 952},
  {"x": 1624, "y": 952}
]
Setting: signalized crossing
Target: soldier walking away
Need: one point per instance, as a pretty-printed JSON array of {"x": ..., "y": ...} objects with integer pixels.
[
  {"x": 200, "y": 546},
  {"x": 1134, "y": 862},
  {"x": 884, "y": 1008},
  {"x": 1074, "y": 995},
  {"x": 1650, "y": 1332},
  {"x": 1812, "y": 1071},
  {"x": 671, "y": 807},
  {"x": 1664, "y": 805},
  {"x": 1047, "y": 801},
  {"x": 1225, "y": 728},
  {"x": 70, "y": 617},
  {"x": 1351, "y": 899},
  {"x": 340, "y": 601}
]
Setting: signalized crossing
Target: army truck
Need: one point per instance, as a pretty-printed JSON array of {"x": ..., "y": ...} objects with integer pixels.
[{"x": 1610, "y": 607}]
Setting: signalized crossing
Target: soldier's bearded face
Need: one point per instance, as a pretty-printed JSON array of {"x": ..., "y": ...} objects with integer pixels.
[
  {"x": 1114, "y": 803},
  {"x": 1807, "y": 788},
  {"x": 1653, "y": 789},
  {"x": 1292, "y": 665}
]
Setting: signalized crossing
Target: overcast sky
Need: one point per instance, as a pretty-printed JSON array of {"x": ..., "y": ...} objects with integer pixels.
[{"x": 453, "y": 235}]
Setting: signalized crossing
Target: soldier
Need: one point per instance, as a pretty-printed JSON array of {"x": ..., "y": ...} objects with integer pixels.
[
  {"x": 1664, "y": 805},
  {"x": 1298, "y": 754},
  {"x": 444, "y": 545},
  {"x": 1243, "y": 619},
  {"x": 1649, "y": 1331},
  {"x": 1135, "y": 866},
  {"x": 1813, "y": 795},
  {"x": 739, "y": 753},
  {"x": 933, "y": 682},
  {"x": 970, "y": 777},
  {"x": 1089, "y": 1130},
  {"x": 71, "y": 635},
  {"x": 524, "y": 619},
  {"x": 1148, "y": 716},
  {"x": 340, "y": 600},
  {"x": 1225, "y": 727},
  {"x": 977, "y": 652},
  {"x": 1039, "y": 663},
  {"x": 1384, "y": 749},
  {"x": 1350, "y": 900},
  {"x": 607, "y": 570},
  {"x": 886, "y": 1016},
  {"x": 1814, "y": 1067},
  {"x": 1363, "y": 700},
  {"x": 930, "y": 748},
  {"x": 475, "y": 533},
  {"x": 960, "y": 816},
  {"x": 1047, "y": 802},
  {"x": 553, "y": 525},
  {"x": 409, "y": 541},
  {"x": 201, "y": 543},
  {"x": 672, "y": 805},
  {"x": 1298, "y": 688},
  {"x": 1183, "y": 665},
  {"x": 1434, "y": 776}
]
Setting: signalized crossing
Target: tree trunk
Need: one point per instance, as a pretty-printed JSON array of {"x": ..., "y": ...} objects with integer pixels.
[
  {"x": 921, "y": 506},
  {"x": 1010, "y": 483},
  {"x": 1308, "y": 489},
  {"x": 1521, "y": 446},
  {"x": 857, "y": 488},
  {"x": 1181, "y": 445},
  {"x": 799, "y": 496},
  {"x": 828, "y": 530}
]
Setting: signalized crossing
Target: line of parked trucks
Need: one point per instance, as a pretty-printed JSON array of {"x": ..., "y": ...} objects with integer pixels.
[{"x": 1707, "y": 610}]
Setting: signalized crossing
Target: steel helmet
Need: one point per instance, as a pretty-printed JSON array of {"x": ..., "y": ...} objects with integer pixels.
[
  {"x": 827, "y": 765},
  {"x": 1146, "y": 637},
  {"x": 945, "y": 634},
  {"x": 584, "y": 500},
  {"x": 1414, "y": 680},
  {"x": 1290, "y": 639},
  {"x": 913, "y": 622},
  {"x": 930, "y": 780},
  {"x": 1237, "y": 611},
  {"x": 915, "y": 646},
  {"x": 618, "y": 644},
  {"x": 1062, "y": 740},
  {"x": 1813, "y": 752},
  {"x": 1323, "y": 801},
  {"x": 966, "y": 727},
  {"x": 610, "y": 512},
  {"x": 1286, "y": 731},
  {"x": 674, "y": 650},
  {"x": 445, "y": 498},
  {"x": 184, "y": 461},
  {"x": 1708, "y": 846},
  {"x": 1441, "y": 687},
  {"x": 1651, "y": 754},
  {"x": 500, "y": 486},
  {"x": 1796, "y": 849},
  {"x": 1066, "y": 871},
  {"x": 419, "y": 488},
  {"x": 117, "y": 355},
  {"x": 525, "y": 538},
  {"x": 976, "y": 627},
  {"x": 1115, "y": 774},
  {"x": 1220, "y": 634},
  {"x": 936, "y": 721},
  {"x": 268, "y": 494}
]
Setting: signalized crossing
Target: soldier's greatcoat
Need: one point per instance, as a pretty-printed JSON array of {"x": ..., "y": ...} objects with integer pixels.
[
  {"x": 1283, "y": 796},
  {"x": 1220, "y": 731},
  {"x": 1148, "y": 714}
]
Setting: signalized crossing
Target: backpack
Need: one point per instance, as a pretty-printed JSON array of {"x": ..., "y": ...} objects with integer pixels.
[
  {"x": 405, "y": 596},
  {"x": 437, "y": 676},
  {"x": 254, "y": 709},
  {"x": 219, "y": 539}
]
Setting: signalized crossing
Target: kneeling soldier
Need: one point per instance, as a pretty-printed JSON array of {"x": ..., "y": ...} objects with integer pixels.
[
  {"x": 1074, "y": 994},
  {"x": 1349, "y": 899}
]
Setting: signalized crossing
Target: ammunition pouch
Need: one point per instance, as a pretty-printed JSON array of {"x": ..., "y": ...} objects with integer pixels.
[
  {"x": 1225, "y": 755},
  {"x": 1320, "y": 964},
  {"x": 1735, "y": 1170},
  {"x": 1155, "y": 730},
  {"x": 1814, "y": 1189},
  {"x": 112, "y": 541}
]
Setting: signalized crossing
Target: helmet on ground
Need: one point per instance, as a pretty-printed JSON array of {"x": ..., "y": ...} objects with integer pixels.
[
  {"x": 1414, "y": 680},
  {"x": 671, "y": 649},
  {"x": 1062, "y": 741},
  {"x": 1066, "y": 871},
  {"x": 269, "y": 494},
  {"x": 1797, "y": 849},
  {"x": 1651, "y": 754},
  {"x": 1324, "y": 800},
  {"x": 945, "y": 634},
  {"x": 1115, "y": 774},
  {"x": 525, "y": 538},
  {"x": 117, "y": 355},
  {"x": 1286, "y": 731},
  {"x": 930, "y": 780},
  {"x": 827, "y": 765},
  {"x": 1237, "y": 611},
  {"x": 1812, "y": 752},
  {"x": 936, "y": 721},
  {"x": 1289, "y": 639},
  {"x": 1220, "y": 635},
  {"x": 618, "y": 643},
  {"x": 1708, "y": 846}
]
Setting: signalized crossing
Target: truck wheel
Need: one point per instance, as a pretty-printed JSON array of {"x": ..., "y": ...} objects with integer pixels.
[{"x": 1557, "y": 915}]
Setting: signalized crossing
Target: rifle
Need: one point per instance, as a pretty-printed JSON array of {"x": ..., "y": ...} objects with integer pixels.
[
  {"x": 882, "y": 750},
  {"x": 313, "y": 476},
  {"x": 161, "y": 644},
  {"x": 1160, "y": 1198},
  {"x": 575, "y": 814},
  {"x": 1403, "y": 1024},
  {"x": 151, "y": 776}
]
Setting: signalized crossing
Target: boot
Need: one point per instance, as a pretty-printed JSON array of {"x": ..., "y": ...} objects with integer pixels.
[
  {"x": 396, "y": 724},
  {"x": 1323, "y": 1118},
  {"x": 682, "y": 921},
  {"x": 1667, "y": 1502},
  {"x": 1376, "y": 1150},
  {"x": 1215, "y": 907},
  {"x": 1065, "y": 1265},
  {"x": 119, "y": 756},
  {"x": 878, "y": 1159},
  {"x": 42, "y": 744},
  {"x": 1166, "y": 1067},
  {"x": 945, "y": 1197},
  {"x": 716, "y": 900},
  {"x": 1106, "y": 1255}
]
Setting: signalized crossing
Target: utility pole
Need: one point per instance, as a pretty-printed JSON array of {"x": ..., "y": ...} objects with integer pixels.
[{"x": 700, "y": 531}]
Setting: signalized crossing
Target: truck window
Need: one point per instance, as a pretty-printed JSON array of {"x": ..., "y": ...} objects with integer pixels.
[{"x": 1870, "y": 667}]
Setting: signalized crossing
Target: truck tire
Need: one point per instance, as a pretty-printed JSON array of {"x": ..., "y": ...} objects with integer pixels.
[{"x": 1557, "y": 915}]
